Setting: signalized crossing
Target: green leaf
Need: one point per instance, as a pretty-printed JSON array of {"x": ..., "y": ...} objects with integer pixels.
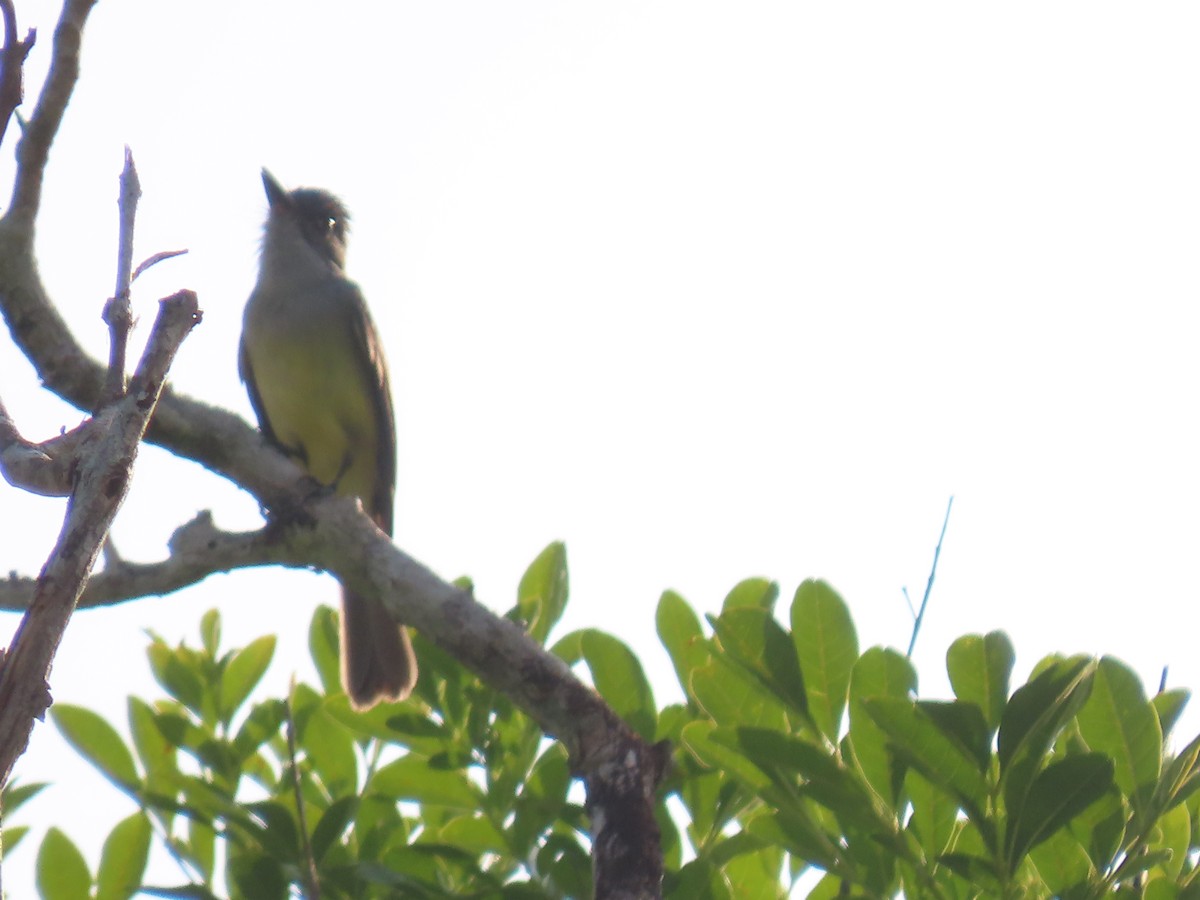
[
  {"x": 701, "y": 738},
  {"x": 395, "y": 723},
  {"x": 475, "y": 834},
  {"x": 1038, "y": 709},
  {"x": 62, "y": 872},
  {"x": 962, "y": 723},
  {"x": 1173, "y": 833},
  {"x": 879, "y": 672},
  {"x": 924, "y": 745},
  {"x": 933, "y": 814},
  {"x": 273, "y": 826},
  {"x": 544, "y": 795},
  {"x": 210, "y": 632},
  {"x": 123, "y": 859},
  {"x": 156, "y": 753},
  {"x": 567, "y": 865},
  {"x": 757, "y": 593},
  {"x": 1164, "y": 889},
  {"x": 258, "y": 876},
  {"x": 323, "y": 643},
  {"x": 679, "y": 630},
  {"x": 979, "y": 669},
  {"x": 1118, "y": 720},
  {"x": 413, "y": 778},
  {"x": 15, "y": 794},
  {"x": 202, "y": 846},
  {"x": 755, "y": 876},
  {"x": 542, "y": 594},
  {"x": 826, "y": 780},
  {"x": 798, "y": 832},
  {"x": 732, "y": 697},
  {"x": 752, "y": 637},
  {"x": 332, "y": 825},
  {"x": 978, "y": 871},
  {"x": 98, "y": 742},
  {"x": 327, "y": 743},
  {"x": 1061, "y": 862},
  {"x": 242, "y": 674},
  {"x": 1169, "y": 705},
  {"x": 1059, "y": 793},
  {"x": 10, "y": 836},
  {"x": 1035, "y": 714},
  {"x": 261, "y": 725},
  {"x": 1100, "y": 829},
  {"x": 618, "y": 676},
  {"x": 827, "y": 647},
  {"x": 178, "y": 673},
  {"x": 1180, "y": 778}
]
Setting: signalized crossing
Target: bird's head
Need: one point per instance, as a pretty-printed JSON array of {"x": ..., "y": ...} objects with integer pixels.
[{"x": 318, "y": 216}]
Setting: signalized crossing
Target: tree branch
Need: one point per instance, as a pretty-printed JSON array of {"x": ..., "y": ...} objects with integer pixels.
[
  {"x": 12, "y": 59},
  {"x": 105, "y": 465},
  {"x": 618, "y": 768}
]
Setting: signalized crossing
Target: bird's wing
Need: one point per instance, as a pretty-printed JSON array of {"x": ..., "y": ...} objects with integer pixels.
[
  {"x": 375, "y": 376},
  {"x": 247, "y": 374}
]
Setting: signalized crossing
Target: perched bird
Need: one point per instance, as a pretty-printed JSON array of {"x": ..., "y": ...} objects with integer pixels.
[{"x": 313, "y": 366}]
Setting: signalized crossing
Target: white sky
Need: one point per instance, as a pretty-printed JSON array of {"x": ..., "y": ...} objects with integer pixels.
[{"x": 705, "y": 293}]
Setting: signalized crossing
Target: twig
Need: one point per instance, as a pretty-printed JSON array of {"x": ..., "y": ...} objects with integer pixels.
[
  {"x": 131, "y": 193},
  {"x": 12, "y": 65},
  {"x": 155, "y": 260},
  {"x": 118, "y": 313},
  {"x": 104, "y": 473},
  {"x": 313, "y": 884},
  {"x": 929, "y": 585}
]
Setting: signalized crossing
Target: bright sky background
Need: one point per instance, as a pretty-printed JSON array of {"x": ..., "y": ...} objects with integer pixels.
[{"x": 707, "y": 291}]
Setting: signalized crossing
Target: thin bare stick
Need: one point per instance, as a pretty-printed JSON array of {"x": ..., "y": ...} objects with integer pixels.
[
  {"x": 118, "y": 312},
  {"x": 155, "y": 260},
  {"x": 929, "y": 585},
  {"x": 127, "y": 204}
]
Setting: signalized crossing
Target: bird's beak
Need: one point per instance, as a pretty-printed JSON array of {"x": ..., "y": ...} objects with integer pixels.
[{"x": 276, "y": 195}]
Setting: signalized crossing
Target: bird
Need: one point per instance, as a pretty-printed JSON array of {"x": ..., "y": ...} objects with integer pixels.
[{"x": 313, "y": 365}]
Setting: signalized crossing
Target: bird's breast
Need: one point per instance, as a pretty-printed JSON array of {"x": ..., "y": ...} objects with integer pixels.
[{"x": 315, "y": 395}]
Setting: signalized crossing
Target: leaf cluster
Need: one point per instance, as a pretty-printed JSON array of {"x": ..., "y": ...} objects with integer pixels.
[
  {"x": 453, "y": 793},
  {"x": 798, "y": 760},
  {"x": 802, "y": 753}
]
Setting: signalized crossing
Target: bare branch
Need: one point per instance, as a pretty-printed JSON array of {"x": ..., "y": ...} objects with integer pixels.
[
  {"x": 197, "y": 550},
  {"x": 104, "y": 473},
  {"x": 12, "y": 61},
  {"x": 118, "y": 313},
  {"x": 46, "y": 468}
]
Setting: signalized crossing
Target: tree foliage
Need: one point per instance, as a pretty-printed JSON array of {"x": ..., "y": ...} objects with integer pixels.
[{"x": 794, "y": 752}]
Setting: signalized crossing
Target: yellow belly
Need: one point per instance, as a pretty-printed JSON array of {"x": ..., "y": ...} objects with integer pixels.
[{"x": 318, "y": 404}]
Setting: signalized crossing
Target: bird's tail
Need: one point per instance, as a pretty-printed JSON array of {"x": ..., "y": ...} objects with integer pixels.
[{"x": 378, "y": 662}]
